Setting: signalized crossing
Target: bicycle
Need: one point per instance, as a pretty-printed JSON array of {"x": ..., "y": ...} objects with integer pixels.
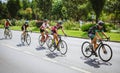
[
  {"x": 8, "y": 33},
  {"x": 41, "y": 43},
  {"x": 61, "y": 46},
  {"x": 104, "y": 51},
  {"x": 26, "y": 38}
]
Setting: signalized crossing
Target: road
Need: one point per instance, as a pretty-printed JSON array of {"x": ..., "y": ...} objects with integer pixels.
[{"x": 18, "y": 58}]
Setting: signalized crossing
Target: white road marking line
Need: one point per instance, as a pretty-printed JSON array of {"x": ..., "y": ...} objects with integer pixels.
[
  {"x": 17, "y": 49},
  {"x": 11, "y": 47},
  {"x": 79, "y": 69},
  {"x": 48, "y": 59},
  {"x": 27, "y": 52}
]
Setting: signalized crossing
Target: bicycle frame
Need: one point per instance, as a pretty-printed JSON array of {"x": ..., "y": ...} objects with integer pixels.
[{"x": 101, "y": 43}]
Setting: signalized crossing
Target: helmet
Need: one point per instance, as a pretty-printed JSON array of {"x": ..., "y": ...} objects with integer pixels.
[
  {"x": 45, "y": 20},
  {"x": 7, "y": 19},
  {"x": 26, "y": 22},
  {"x": 101, "y": 23},
  {"x": 60, "y": 22}
]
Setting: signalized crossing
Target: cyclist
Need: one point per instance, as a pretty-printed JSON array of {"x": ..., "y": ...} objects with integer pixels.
[
  {"x": 7, "y": 24},
  {"x": 43, "y": 28},
  {"x": 93, "y": 33},
  {"x": 24, "y": 27},
  {"x": 54, "y": 30}
]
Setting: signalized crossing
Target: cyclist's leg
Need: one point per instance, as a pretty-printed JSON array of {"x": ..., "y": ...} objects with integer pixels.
[
  {"x": 46, "y": 33},
  {"x": 94, "y": 41},
  {"x": 42, "y": 33},
  {"x": 43, "y": 37}
]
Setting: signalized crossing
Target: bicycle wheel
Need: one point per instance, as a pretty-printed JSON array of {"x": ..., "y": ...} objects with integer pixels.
[
  {"x": 5, "y": 34},
  {"x": 105, "y": 52},
  {"x": 86, "y": 49},
  {"x": 28, "y": 39},
  {"x": 50, "y": 45},
  {"x": 47, "y": 41},
  {"x": 22, "y": 39},
  {"x": 10, "y": 34},
  {"x": 40, "y": 41},
  {"x": 62, "y": 45}
]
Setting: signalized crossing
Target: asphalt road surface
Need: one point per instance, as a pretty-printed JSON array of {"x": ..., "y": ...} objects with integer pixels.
[{"x": 18, "y": 58}]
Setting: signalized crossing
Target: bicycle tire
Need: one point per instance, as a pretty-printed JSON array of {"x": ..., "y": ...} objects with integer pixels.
[
  {"x": 100, "y": 53},
  {"x": 22, "y": 39},
  {"x": 28, "y": 39},
  {"x": 47, "y": 41},
  {"x": 61, "y": 46},
  {"x": 10, "y": 34},
  {"x": 85, "y": 46},
  {"x": 51, "y": 46},
  {"x": 39, "y": 41},
  {"x": 5, "y": 34}
]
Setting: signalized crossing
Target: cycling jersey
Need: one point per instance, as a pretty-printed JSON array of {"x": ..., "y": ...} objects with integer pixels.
[
  {"x": 44, "y": 26},
  {"x": 54, "y": 28},
  {"x": 7, "y": 24},
  {"x": 93, "y": 30},
  {"x": 24, "y": 27}
]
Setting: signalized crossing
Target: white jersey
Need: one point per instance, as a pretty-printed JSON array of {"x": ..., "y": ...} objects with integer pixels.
[{"x": 45, "y": 25}]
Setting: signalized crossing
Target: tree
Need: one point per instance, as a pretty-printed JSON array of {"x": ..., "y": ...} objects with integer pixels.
[
  {"x": 3, "y": 10},
  {"x": 26, "y": 4},
  {"x": 113, "y": 7},
  {"x": 97, "y": 6},
  {"x": 73, "y": 8},
  {"x": 45, "y": 6},
  {"x": 56, "y": 9},
  {"x": 28, "y": 13},
  {"x": 13, "y": 7}
]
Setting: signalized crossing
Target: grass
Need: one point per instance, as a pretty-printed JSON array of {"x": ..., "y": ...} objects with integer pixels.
[{"x": 73, "y": 33}]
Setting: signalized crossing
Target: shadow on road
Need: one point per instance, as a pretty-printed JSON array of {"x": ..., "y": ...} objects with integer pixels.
[
  {"x": 40, "y": 48},
  {"x": 4, "y": 39},
  {"x": 20, "y": 45},
  {"x": 95, "y": 62},
  {"x": 52, "y": 55}
]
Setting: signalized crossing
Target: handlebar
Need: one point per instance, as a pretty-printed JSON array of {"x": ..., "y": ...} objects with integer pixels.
[{"x": 105, "y": 39}]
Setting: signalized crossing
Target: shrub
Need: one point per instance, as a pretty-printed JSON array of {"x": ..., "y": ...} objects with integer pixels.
[
  {"x": 20, "y": 22},
  {"x": 85, "y": 27},
  {"x": 71, "y": 25},
  {"x": 2, "y": 22},
  {"x": 32, "y": 23},
  {"x": 109, "y": 27}
]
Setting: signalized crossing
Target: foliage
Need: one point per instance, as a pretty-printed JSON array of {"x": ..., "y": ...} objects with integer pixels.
[
  {"x": 107, "y": 10},
  {"x": 85, "y": 27},
  {"x": 109, "y": 27},
  {"x": 73, "y": 8},
  {"x": 21, "y": 22},
  {"x": 97, "y": 6},
  {"x": 57, "y": 10},
  {"x": 45, "y": 6},
  {"x": 71, "y": 25},
  {"x": 2, "y": 21},
  {"x": 3, "y": 10},
  {"x": 13, "y": 6}
]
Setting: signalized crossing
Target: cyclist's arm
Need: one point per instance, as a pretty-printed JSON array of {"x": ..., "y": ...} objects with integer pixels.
[
  {"x": 98, "y": 36},
  {"x": 104, "y": 34},
  {"x": 63, "y": 31},
  {"x": 5, "y": 24}
]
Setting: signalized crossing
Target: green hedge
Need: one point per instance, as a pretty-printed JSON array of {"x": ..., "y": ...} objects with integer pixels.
[
  {"x": 71, "y": 25},
  {"x": 85, "y": 27},
  {"x": 107, "y": 27}
]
